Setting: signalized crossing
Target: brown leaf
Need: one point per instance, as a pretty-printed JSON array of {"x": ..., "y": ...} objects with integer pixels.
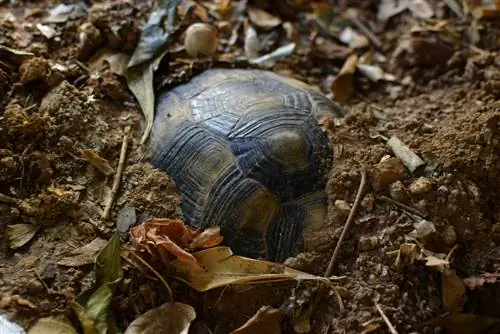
[
  {"x": 172, "y": 318},
  {"x": 223, "y": 268},
  {"x": 84, "y": 255},
  {"x": 343, "y": 85},
  {"x": 100, "y": 163},
  {"x": 453, "y": 290},
  {"x": 266, "y": 320},
  {"x": 116, "y": 61},
  {"x": 166, "y": 238},
  {"x": 209, "y": 238},
  {"x": 478, "y": 281},
  {"x": 19, "y": 235}
]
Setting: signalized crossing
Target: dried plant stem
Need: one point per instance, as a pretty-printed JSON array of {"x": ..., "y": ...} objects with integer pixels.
[
  {"x": 157, "y": 274},
  {"x": 386, "y": 320},
  {"x": 118, "y": 175},
  {"x": 349, "y": 220}
]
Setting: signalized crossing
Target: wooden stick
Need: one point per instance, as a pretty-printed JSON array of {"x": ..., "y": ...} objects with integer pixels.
[
  {"x": 118, "y": 175},
  {"x": 386, "y": 320},
  {"x": 349, "y": 220}
]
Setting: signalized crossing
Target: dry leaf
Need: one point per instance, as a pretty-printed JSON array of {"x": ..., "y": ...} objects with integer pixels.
[
  {"x": 222, "y": 268},
  {"x": 147, "y": 57},
  {"x": 252, "y": 44},
  {"x": 432, "y": 261},
  {"x": 280, "y": 53},
  {"x": 117, "y": 61},
  {"x": 54, "y": 324},
  {"x": 19, "y": 235},
  {"x": 171, "y": 318},
  {"x": 100, "y": 163},
  {"x": 390, "y": 8},
  {"x": 453, "y": 291},
  {"x": 266, "y": 320},
  {"x": 208, "y": 238},
  {"x": 165, "y": 238},
  {"x": 343, "y": 85},
  {"x": 262, "y": 18},
  {"x": 421, "y": 9},
  {"x": 352, "y": 38},
  {"x": 84, "y": 255},
  {"x": 46, "y": 31},
  {"x": 478, "y": 281},
  {"x": 374, "y": 73}
]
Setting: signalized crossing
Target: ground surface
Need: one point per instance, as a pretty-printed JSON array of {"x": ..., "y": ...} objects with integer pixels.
[{"x": 443, "y": 104}]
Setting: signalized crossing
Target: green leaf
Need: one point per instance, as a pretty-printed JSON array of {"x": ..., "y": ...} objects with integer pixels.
[{"x": 92, "y": 306}]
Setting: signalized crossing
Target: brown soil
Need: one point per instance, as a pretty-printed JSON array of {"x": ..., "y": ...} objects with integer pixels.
[{"x": 447, "y": 112}]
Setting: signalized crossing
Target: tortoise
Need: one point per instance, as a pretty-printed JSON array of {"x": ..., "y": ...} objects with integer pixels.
[{"x": 248, "y": 153}]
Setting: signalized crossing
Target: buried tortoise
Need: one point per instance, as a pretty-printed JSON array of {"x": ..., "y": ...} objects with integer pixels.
[{"x": 248, "y": 154}]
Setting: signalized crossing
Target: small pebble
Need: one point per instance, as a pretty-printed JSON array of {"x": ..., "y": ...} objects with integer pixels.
[
  {"x": 368, "y": 202},
  {"x": 420, "y": 186},
  {"x": 387, "y": 172},
  {"x": 201, "y": 40},
  {"x": 449, "y": 235},
  {"x": 398, "y": 192}
]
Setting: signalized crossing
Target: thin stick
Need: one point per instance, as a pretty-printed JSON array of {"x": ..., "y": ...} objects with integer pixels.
[
  {"x": 386, "y": 320},
  {"x": 403, "y": 206},
  {"x": 157, "y": 274},
  {"x": 7, "y": 199},
  {"x": 348, "y": 222},
  {"x": 118, "y": 175},
  {"x": 364, "y": 29}
]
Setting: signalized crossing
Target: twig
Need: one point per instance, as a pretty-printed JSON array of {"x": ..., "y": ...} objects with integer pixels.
[
  {"x": 386, "y": 320},
  {"x": 348, "y": 222},
  {"x": 157, "y": 274},
  {"x": 403, "y": 206},
  {"x": 7, "y": 199},
  {"x": 118, "y": 175}
]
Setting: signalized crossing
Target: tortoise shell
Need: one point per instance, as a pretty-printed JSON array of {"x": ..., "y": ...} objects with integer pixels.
[{"x": 248, "y": 154}]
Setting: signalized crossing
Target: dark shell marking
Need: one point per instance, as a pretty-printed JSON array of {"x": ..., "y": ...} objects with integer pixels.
[{"x": 247, "y": 154}]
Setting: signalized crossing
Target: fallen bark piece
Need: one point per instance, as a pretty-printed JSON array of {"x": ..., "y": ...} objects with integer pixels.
[{"x": 409, "y": 158}]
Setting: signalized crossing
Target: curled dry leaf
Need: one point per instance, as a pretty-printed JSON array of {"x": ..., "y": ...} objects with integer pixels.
[
  {"x": 266, "y": 320},
  {"x": 19, "y": 235},
  {"x": 343, "y": 85},
  {"x": 98, "y": 162},
  {"x": 222, "y": 268},
  {"x": 53, "y": 324},
  {"x": 209, "y": 238},
  {"x": 171, "y": 238},
  {"x": 280, "y": 53},
  {"x": 172, "y": 318}
]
